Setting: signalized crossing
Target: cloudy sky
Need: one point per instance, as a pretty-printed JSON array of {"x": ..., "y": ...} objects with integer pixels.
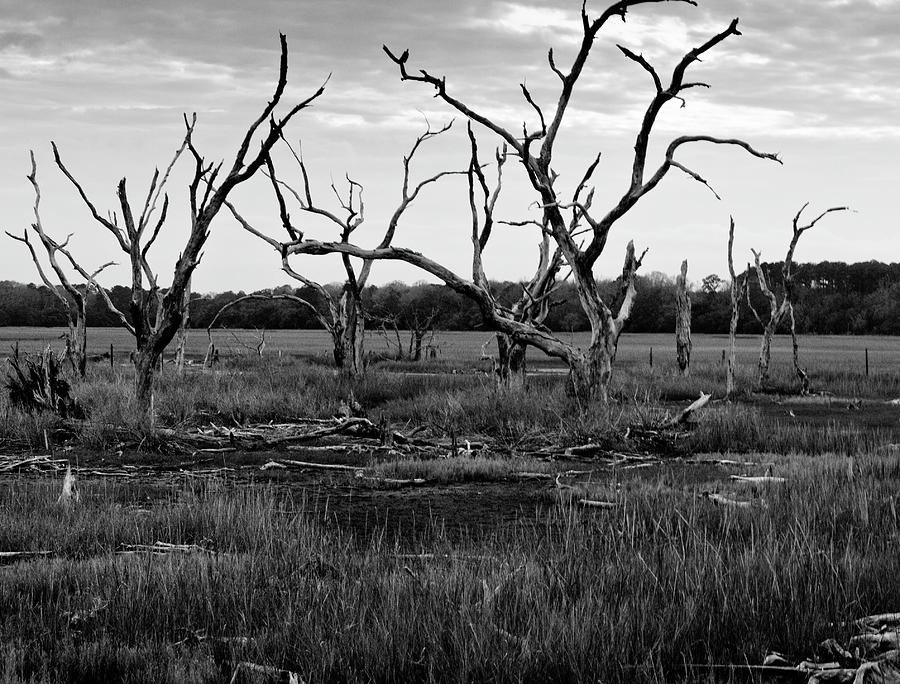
[{"x": 817, "y": 81}]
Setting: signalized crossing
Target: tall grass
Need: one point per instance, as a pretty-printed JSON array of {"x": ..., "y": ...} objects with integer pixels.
[
  {"x": 627, "y": 595},
  {"x": 251, "y": 390},
  {"x": 736, "y": 428}
]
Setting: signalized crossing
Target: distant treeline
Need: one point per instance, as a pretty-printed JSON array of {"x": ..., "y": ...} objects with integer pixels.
[{"x": 832, "y": 298}]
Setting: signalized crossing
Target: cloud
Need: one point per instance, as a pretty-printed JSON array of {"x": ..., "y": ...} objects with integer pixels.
[{"x": 20, "y": 40}]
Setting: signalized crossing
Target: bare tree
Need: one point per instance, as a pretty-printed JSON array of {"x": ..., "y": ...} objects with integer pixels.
[
  {"x": 75, "y": 304},
  {"x": 155, "y": 313},
  {"x": 785, "y": 308},
  {"x": 590, "y": 368},
  {"x": 418, "y": 324},
  {"x": 534, "y": 303},
  {"x": 345, "y": 316},
  {"x": 738, "y": 288},
  {"x": 181, "y": 333},
  {"x": 683, "y": 322},
  {"x": 325, "y": 321}
]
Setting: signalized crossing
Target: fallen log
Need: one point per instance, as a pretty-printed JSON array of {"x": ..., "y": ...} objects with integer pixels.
[
  {"x": 7, "y": 557},
  {"x": 686, "y": 413},
  {"x": 34, "y": 460},
  {"x": 758, "y": 480},
  {"x": 725, "y": 501},
  {"x": 878, "y": 622},
  {"x": 585, "y": 450},
  {"x": 533, "y": 476},
  {"x": 320, "y": 466},
  {"x": 252, "y": 672},
  {"x": 160, "y": 548},
  {"x": 876, "y": 642},
  {"x": 394, "y": 482},
  {"x": 589, "y": 503}
]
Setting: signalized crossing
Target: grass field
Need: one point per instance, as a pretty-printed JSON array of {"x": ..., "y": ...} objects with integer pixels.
[
  {"x": 465, "y": 347},
  {"x": 471, "y": 560}
]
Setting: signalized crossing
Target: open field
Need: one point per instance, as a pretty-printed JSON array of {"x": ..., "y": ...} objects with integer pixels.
[
  {"x": 848, "y": 352},
  {"x": 464, "y": 533}
]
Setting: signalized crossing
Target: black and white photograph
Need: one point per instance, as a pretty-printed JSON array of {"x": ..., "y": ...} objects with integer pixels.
[{"x": 499, "y": 341}]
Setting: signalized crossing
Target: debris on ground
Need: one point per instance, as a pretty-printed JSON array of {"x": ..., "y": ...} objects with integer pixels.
[{"x": 871, "y": 656}]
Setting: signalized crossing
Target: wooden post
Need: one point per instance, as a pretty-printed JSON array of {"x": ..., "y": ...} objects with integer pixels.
[
  {"x": 867, "y": 362},
  {"x": 651, "y": 357},
  {"x": 112, "y": 356},
  {"x": 723, "y": 357}
]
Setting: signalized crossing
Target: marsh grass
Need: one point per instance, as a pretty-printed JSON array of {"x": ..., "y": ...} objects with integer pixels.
[
  {"x": 460, "y": 469},
  {"x": 250, "y": 389},
  {"x": 624, "y": 595},
  {"x": 738, "y": 428}
]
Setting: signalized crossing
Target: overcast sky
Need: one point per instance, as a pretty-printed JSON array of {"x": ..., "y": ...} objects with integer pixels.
[{"x": 817, "y": 81}]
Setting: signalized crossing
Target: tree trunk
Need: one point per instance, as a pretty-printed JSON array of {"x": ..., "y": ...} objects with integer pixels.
[
  {"x": 732, "y": 331},
  {"x": 590, "y": 372},
  {"x": 683, "y": 322},
  {"x": 359, "y": 343},
  {"x": 765, "y": 354},
  {"x": 76, "y": 344},
  {"x": 738, "y": 289},
  {"x": 146, "y": 364},
  {"x": 798, "y": 369},
  {"x": 349, "y": 339},
  {"x": 181, "y": 334},
  {"x": 417, "y": 337},
  {"x": 338, "y": 353},
  {"x": 510, "y": 369}
]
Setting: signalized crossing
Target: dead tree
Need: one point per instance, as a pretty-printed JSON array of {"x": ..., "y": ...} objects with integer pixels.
[
  {"x": 75, "y": 304},
  {"x": 420, "y": 326},
  {"x": 533, "y": 305},
  {"x": 324, "y": 320},
  {"x": 738, "y": 288},
  {"x": 181, "y": 333},
  {"x": 590, "y": 368},
  {"x": 345, "y": 317},
  {"x": 155, "y": 313},
  {"x": 683, "y": 322},
  {"x": 778, "y": 311}
]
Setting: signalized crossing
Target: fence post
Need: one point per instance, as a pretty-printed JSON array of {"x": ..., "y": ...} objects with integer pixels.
[
  {"x": 867, "y": 362},
  {"x": 651, "y": 357},
  {"x": 111, "y": 356}
]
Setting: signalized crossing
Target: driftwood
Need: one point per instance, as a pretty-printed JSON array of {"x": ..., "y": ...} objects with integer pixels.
[
  {"x": 394, "y": 482},
  {"x": 879, "y": 622},
  {"x": 685, "y": 415},
  {"x": 598, "y": 504},
  {"x": 160, "y": 548},
  {"x": 757, "y": 480},
  {"x": 219, "y": 439},
  {"x": 29, "y": 462},
  {"x": 252, "y": 672},
  {"x": 532, "y": 476},
  {"x": 725, "y": 501},
  {"x": 287, "y": 463},
  {"x": 876, "y": 642},
  {"x": 7, "y": 557},
  {"x": 871, "y": 657}
]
